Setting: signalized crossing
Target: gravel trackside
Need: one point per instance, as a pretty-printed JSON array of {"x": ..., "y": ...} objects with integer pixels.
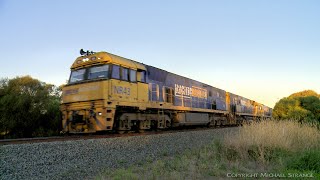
[{"x": 85, "y": 159}]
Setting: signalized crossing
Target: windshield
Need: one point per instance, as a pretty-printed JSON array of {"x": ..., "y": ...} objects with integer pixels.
[
  {"x": 77, "y": 75},
  {"x": 98, "y": 72},
  {"x": 94, "y": 72}
]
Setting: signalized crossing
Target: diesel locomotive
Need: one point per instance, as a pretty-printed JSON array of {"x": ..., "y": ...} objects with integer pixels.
[{"x": 106, "y": 92}]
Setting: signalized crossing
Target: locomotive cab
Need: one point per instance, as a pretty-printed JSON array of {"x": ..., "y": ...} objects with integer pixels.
[{"x": 98, "y": 83}]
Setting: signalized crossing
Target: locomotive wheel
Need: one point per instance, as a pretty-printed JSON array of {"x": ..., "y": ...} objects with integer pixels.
[
  {"x": 141, "y": 130},
  {"x": 121, "y": 132}
]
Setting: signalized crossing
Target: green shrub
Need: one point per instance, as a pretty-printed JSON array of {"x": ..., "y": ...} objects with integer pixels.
[
  {"x": 305, "y": 161},
  {"x": 28, "y": 108},
  {"x": 303, "y": 107}
]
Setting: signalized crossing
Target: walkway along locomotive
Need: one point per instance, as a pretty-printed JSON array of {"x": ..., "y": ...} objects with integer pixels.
[{"x": 107, "y": 92}]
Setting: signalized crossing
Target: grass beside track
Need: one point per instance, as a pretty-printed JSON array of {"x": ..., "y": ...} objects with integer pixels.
[{"x": 266, "y": 149}]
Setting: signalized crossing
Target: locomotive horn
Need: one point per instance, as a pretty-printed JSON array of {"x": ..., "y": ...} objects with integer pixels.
[{"x": 82, "y": 52}]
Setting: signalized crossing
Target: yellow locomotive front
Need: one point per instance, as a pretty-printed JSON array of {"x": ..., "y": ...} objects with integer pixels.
[{"x": 98, "y": 83}]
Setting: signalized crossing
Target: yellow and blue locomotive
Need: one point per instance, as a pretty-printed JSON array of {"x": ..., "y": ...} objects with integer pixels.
[{"x": 107, "y": 92}]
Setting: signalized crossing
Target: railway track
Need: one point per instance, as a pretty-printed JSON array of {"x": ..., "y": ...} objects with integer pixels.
[
  {"x": 100, "y": 136},
  {"x": 66, "y": 138},
  {"x": 78, "y": 158}
]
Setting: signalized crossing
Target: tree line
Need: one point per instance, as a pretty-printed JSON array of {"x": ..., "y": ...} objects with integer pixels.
[
  {"x": 28, "y": 108},
  {"x": 302, "y": 106}
]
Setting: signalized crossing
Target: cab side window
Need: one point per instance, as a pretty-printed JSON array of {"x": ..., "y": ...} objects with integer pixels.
[
  {"x": 133, "y": 75},
  {"x": 115, "y": 72},
  {"x": 124, "y": 74},
  {"x": 141, "y": 75}
]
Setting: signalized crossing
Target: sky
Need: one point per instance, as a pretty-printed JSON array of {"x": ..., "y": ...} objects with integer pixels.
[{"x": 260, "y": 49}]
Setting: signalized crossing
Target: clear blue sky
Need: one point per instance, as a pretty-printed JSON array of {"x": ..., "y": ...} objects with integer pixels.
[{"x": 260, "y": 49}]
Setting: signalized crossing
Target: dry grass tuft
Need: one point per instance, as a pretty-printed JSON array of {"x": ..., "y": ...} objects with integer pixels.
[{"x": 263, "y": 137}]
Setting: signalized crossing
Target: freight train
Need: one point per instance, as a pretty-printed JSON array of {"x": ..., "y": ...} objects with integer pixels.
[{"x": 106, "y": 92}]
